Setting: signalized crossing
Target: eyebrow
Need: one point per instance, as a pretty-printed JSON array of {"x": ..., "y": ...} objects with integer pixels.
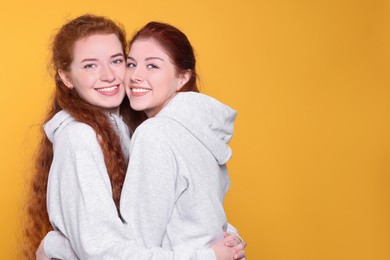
[
  {"x": 154, "y": 58},
  {"x": 112, "y": 56},
  {"x": 146, "y": 59}
]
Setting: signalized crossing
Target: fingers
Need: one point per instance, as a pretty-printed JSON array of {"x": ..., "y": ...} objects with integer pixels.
[
  {"x": 239, "y": 255},
  {"x": 240, "y": 252},
  {"x": 232, "y": 241},
  {"x": 240, "y": 246}
]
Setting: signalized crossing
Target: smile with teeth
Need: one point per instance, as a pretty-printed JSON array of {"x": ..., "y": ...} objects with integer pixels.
[
  {"x": 108, "y": 89},
  {"x": 140, "y": 90}
]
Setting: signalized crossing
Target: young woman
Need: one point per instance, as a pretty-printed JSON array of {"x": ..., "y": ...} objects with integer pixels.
[
  {"x": 177, "y": 176},
  {"x": 89, "y": 66},
  {"x": 84, "y": 157}
]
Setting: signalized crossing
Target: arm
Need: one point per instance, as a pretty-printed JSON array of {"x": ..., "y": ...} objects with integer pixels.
[
  {"x": 61, "y": 246},
  {"x": 56, "y": 246}
]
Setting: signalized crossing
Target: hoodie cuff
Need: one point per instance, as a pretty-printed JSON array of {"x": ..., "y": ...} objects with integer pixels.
[{"x": 57, "y": 246}]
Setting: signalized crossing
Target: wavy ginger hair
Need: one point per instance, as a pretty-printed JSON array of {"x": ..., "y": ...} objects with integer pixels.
[{"x": 37, "y": 221}]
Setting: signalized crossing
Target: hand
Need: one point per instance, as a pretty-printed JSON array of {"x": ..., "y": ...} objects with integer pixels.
[
  {"x": 223, "y": 252},
  {"x": 40, "y": 253},
  {"x": 232, "y": 240}
]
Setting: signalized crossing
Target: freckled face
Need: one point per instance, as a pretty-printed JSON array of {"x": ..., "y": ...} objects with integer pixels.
[
  {"x": 151, "y": 78},
  {"x": 97, "y": 71}
]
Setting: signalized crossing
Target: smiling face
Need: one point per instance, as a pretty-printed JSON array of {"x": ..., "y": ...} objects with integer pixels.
[
  {"x": 97, "y": 71},
  {"x": 151, "y": 78}
]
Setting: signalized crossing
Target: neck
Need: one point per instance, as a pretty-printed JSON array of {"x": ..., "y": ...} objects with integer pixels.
[
  {"x": 114, "y": 111},
  {"x": 153, "y": 113}
]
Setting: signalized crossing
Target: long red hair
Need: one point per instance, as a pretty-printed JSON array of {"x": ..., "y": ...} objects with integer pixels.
[{"x": 37, "y": 221}]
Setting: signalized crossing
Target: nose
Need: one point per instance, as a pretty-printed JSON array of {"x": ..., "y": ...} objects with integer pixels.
[
  {"x": 136, "y": 74},
  {"x": 107, "y": 74}
]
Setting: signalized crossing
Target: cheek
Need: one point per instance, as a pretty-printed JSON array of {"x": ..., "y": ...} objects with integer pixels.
[
  {"x": 167, "y": 83},
  {"x": 87, "y": 80},
  {"x": 173, "y": 84},
  {"x": 127, "y": 76},
  {"x": 127, "y": 89},
  {"x": 121, "y": 73}
]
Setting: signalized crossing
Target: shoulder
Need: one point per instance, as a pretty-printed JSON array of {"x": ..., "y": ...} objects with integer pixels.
[
  {"x": 155, "y": 132},
  {"x": 159, "y": 128},
  {"x": 158, "y": 125},
  {"x": 77, "y": 135}
]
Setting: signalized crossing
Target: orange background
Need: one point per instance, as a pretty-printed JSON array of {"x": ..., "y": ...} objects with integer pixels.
[{"x": 310, "y": 81}]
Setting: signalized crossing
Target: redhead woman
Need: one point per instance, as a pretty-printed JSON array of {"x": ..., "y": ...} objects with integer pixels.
[
  {"x": 84, "y": 129},
  {"x": 84, "y": 154},
  {"x": 177, "y": 176}
]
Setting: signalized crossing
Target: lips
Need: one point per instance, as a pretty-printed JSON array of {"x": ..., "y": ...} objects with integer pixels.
[
  {"x": 109, "y": 91},
  {"x": 139, "y": 91}
]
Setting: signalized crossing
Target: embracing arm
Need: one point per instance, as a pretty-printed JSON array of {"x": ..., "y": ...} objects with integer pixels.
[
  {"x": 56, "y": 245},
  {"x": 60, "y": 248}
]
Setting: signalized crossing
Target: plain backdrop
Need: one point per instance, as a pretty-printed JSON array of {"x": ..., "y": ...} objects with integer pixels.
[{"x": 310, "y": 80}]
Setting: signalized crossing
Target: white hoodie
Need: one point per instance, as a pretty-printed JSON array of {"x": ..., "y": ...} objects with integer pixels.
[
  {"x": 80, "y": 204},
  {"x": 177, "y": 176},
  {"x": 80, "y": 201}
]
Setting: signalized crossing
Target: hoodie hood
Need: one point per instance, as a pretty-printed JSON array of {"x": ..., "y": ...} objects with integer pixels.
[
  {"x": 207, "y": 119},
  {"x": 60, "y": 120},
  {"x": 56, "y": 124}
]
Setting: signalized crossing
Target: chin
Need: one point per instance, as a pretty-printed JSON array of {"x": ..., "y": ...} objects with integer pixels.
[{"x": 136, "y": 107}]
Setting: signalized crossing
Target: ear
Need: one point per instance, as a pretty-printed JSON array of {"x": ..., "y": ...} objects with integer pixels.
[
  {"x": 183, "y": 79},
  {"x": 65, "y": 78}
]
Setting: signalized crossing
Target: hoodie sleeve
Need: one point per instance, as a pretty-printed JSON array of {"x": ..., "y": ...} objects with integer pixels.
[
  {"x": 81, "y": 207},
  {"x": 57, "y": 246}
]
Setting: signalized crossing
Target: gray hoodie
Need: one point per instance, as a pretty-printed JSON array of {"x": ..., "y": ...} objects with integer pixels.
[
  {"x": 177, "y": 176},
  {"x": 80, "y": 204}
]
